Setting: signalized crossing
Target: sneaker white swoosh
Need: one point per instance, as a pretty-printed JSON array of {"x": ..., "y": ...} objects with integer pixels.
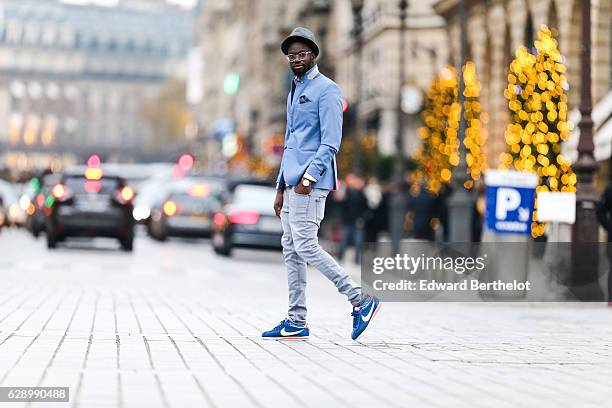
[
  {"x": 369, "y": 315},
  {"x": 285, "y": 333}
]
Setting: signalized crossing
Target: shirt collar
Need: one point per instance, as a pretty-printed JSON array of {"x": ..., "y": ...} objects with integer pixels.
[{"x": 309, "y": 75}]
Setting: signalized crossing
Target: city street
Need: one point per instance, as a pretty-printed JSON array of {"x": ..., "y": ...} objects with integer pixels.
[{"x": 173, "y": 325}]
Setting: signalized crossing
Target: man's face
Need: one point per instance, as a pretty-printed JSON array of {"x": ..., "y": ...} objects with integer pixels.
[{"x": 301, "y": 66}]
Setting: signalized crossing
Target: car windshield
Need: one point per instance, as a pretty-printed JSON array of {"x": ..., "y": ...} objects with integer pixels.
[{"x": 81, "y": 185}]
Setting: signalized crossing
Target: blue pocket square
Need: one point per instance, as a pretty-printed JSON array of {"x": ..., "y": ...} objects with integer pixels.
[{"x": 304, "y": 99}]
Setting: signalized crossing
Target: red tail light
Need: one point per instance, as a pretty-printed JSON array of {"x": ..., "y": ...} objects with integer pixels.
[
  {"x": 40, "y": 200},
  {"x": 219, "y": 219},
  {"x": 92, "y": 186},
  {"x": 243, "y": 217},
  {"x": 61, "y": 192},
  {"x": 124, "y": 195}
]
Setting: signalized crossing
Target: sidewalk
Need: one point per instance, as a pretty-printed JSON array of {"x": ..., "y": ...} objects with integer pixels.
[{"x": 137, "y": 331}]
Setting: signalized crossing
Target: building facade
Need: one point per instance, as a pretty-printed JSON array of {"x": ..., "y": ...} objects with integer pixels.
[
  {"x": 243, "y": 37},
  {"x": 496, "y": 28},
  {"x": 425, "y": 53},
  {"x": 73, "y": 78}
]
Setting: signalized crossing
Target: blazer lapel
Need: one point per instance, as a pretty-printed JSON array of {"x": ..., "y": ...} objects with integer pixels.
[{"x": 296, "y": 96}]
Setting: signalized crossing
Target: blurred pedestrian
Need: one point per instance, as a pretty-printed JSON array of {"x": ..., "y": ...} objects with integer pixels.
[
  {"x": 604, "y": 215},
  {"x": 376, "y": 218},
  {"x": 354, "y": 208},
  {"x": 442, "y": 210},
  {"x": 478, "y": 212},
  {"x": 422, "y": 206},
  {"x": 307, "y": 174}
]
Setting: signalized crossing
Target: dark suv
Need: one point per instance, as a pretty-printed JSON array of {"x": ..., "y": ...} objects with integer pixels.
[{"x": 92, "y": 204}]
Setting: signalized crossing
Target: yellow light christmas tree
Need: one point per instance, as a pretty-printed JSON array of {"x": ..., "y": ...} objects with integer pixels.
[
  {"x": 439, "y": 150},
  {"x": 538, "y": 104}
]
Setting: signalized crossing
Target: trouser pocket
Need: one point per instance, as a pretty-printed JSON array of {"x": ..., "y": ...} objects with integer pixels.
[
  {"x": 300, "y": 206},
  {"x": 319, "y": 209}
]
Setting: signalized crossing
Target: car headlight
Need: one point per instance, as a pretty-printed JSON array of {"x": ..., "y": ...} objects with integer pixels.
[
  {"x": 141, "y": 213},
  {"x": 24, "y": 202},
  {"x": 15, "y": 212}
]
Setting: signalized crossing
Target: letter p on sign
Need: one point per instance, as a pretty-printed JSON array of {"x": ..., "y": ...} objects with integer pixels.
[{"x": 508, "y": 199}]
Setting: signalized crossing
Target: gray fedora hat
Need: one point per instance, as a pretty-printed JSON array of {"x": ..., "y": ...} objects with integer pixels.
[{"x": 300, "y": 34}]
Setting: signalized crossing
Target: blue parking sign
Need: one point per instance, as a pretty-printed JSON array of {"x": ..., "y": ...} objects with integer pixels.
[{"x": 510, "y": 199}]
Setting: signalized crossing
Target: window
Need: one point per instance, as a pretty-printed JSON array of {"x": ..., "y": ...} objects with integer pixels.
[
  {"x": 93, "y": 43},
  {"x": 67, "y": 37},
  {"x": 14, "y": 32},
  {"x": 31, "y": 34},
  {"x": 49, "y": 36}
]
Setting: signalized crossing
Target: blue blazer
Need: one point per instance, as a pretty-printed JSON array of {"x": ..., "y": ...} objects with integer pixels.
[{"x": 314, "y": 132}]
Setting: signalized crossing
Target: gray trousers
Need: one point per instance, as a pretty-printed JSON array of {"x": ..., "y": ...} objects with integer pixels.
[{"x": 301, "y": 217}]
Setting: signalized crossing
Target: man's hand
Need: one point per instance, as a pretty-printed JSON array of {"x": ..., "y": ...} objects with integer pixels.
[
  {"x": 278, "y": 202},
  {"x": 301, "y": 189}
]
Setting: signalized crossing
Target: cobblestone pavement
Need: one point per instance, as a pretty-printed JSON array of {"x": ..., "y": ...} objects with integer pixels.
[{"x": 173, "y": 325}]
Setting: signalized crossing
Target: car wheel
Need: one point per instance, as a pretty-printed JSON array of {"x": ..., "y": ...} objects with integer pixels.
[
  {"x": 51, "y": 241},
  {"x": 158, "y": 232},
  {"x": 221, "y": 246},
  {"x": 127, "y": 244}
]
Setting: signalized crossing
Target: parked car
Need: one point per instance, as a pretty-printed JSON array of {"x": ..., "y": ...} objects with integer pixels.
[
  {"x": 248, "y": 221},
  {"x": 90, "y": 204}
]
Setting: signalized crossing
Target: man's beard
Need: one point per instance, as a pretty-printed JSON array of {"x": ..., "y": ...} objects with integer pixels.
[{"x": 306, "y": 68}]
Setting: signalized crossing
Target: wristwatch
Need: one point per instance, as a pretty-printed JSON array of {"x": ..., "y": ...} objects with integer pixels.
[{"x": 305, "y": 182}]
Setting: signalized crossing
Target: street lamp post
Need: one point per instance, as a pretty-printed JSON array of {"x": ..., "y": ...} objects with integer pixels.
[
  {"x": 397, "y": 200},
  {"x": 461, "y": 201},
  {"x": 358, "y": 33},
  {"x": 585, "y": 229}
]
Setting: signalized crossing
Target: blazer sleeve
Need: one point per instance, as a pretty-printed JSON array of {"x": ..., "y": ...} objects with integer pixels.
[{"x": 330, "y": 120}]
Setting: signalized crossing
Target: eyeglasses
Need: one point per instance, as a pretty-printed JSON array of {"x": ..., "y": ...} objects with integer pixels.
[{"x": 299, "y": 56}]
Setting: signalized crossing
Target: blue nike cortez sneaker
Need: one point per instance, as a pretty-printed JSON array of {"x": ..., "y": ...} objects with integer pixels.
[
  {"x": 287, "y": 330},
  {"x": 363, "y": 315}
]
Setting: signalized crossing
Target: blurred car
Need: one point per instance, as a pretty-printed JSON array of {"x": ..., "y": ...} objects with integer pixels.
[
  {"x": 2, "y": 214},
  {"x": 90, "y": 204},
  {"x": 248, "y": 221},
  {"x": 33, "y": 201},
  {"x": 14, "y": 214},
  {"x": 154, "y": 190},
  {"x": 151, "y": 191},
  {"x": 187, "y": 210}
]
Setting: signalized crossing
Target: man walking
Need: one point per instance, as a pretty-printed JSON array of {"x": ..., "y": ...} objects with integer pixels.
[{"x": 307, "y": 174}]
